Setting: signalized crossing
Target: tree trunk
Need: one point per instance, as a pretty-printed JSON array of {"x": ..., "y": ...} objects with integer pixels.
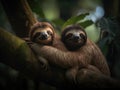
[
  {"x": 112, "y": 8},
  {"x": 20, "y": 16}
]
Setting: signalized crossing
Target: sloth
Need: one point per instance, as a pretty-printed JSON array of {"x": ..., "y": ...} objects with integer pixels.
[
  {"x": 43, "y": 33},
  {"x": 81, "y": 53},
  {"x": 75, "y": 39}
]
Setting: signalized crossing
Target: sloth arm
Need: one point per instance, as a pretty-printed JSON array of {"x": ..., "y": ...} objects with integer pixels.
[
  {"x": 59, "y": 57},
  {"x": 100, "y": 61}
]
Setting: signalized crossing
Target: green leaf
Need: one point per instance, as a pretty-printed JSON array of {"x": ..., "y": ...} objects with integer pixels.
[
  {"x": 86, "y": 23},
  {"x": 75, "y": 19}
]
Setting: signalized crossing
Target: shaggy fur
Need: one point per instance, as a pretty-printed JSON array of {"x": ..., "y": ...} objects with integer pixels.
[{"x": 87, "y": 56}]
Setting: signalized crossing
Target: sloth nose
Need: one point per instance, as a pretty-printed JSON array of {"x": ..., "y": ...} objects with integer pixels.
[
  {"x": 43, "y": 36},
  {"x": 76, "y": 37}
]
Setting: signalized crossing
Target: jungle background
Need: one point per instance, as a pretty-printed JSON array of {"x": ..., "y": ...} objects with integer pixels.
[{"x": 101, "y": 24}]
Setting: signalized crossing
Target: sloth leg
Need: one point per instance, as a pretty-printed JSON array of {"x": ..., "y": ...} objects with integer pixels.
[{"x": 71, "y": 74}]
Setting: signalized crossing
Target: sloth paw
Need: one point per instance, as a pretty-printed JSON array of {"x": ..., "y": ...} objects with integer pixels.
[{"x": 43, "y": 63}]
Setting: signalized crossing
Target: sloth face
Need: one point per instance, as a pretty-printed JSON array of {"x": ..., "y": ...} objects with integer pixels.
[
  {"x": 75, "y": 38},
  {"x": 43, "y": 36}
]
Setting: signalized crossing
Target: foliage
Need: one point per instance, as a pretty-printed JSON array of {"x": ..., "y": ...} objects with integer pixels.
[
  {"x": 110, "y": 29},
  {"x": 110, "y": 43},
  {"x": 78, "y": 19}
]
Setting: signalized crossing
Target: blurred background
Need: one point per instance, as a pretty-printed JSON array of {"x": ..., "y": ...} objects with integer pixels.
[{"x": 104, "y": 31}]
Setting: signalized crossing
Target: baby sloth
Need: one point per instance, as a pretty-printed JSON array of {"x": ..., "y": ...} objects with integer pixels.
[{"x": 42, "y": 33}]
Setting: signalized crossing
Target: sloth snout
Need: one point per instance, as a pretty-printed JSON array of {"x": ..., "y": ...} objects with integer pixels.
[{"x": 76, "y": 38}]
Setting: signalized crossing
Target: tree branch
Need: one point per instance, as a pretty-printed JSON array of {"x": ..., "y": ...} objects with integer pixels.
[
  {"x": 28, "y": 12},
  {"x": 16, "y": 16},
  {"x": 16, "y": 53}
]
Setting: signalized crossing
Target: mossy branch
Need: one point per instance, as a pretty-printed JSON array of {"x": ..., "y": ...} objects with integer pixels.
[{"x": 17, "y": 54}]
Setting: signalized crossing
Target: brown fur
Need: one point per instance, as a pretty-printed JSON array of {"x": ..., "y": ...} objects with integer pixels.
[
  {"x": 93, "y": 54},
  {"x": 55, "y": 41},
  {"x": 88, "y": 56}
]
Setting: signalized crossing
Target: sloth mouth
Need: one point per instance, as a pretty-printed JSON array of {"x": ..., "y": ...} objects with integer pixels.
[
  {"x": 77, "y": 41},
  {"x": 44, "y": 37},
  {"x": 45, "y": 41}
]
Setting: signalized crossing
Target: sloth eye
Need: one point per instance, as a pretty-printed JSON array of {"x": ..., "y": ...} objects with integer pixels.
[
  {"x": 82, "y": 36},
  {"x": 69, "y": 35},
  {"x": 49, "y": 32},
  {"x": 37, "y": 35}
]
